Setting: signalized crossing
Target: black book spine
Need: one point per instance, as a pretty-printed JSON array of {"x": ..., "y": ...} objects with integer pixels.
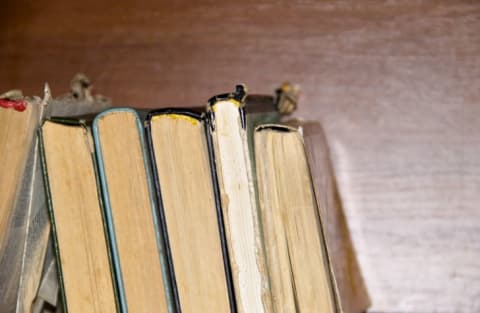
[{"x": 161, "y": 213}]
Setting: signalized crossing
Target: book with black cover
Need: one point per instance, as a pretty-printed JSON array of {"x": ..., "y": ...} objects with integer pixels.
[{"x": 190, "y": 214}]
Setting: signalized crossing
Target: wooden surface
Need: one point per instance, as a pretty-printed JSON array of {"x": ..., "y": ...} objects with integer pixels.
[{"x": 395, "y": 83}]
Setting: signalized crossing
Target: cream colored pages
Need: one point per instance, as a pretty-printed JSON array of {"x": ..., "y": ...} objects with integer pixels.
[
  {"x": 297, "y": 261},
  {"x": 80, "y": 233},
  {"x": 181, "y": 158},
  {"x": 16, "y": 133},
  {"x": 239, "y": 209},
  {"x": 132, "y": 212}
]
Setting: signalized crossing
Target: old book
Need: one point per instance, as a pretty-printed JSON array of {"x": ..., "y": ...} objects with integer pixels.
[
  {"x": 191, "y": 219},
  {"x": 78, "y": 230},
  {"x": 19, "y": 118},
  {"x": 297, "y": 256},
  {"x": 38, "y": 285},
  {"x": 35, "y": 294},
  {"x": 352, "y": 291},
  {"x": 131, "y": 213},
  {"x": 228, "y": 131}
]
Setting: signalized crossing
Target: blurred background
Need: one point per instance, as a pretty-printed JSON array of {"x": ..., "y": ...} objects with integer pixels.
[{"x": 396, "y": 85}]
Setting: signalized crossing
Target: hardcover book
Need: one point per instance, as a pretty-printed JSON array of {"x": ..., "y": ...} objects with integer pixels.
[
  {"x": 80, "y": 240},
  {"x": 216, "y": 210},
  {"x": 36, "y": 294},
  {"x": 296, "y": 252},
  {"x": 19, "y": 118},
  {"x": 191, "y": 220},
  {"x": 228, "y": 130},
  {"x": 28, "y": 262},
  {"x": 137, "y": 247}
]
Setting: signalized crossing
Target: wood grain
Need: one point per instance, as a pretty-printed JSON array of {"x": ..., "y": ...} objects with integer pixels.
[{"x": 395, "y": 84}]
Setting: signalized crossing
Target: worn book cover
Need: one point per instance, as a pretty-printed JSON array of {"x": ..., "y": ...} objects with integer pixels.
[
  {"x": 28, "y": 263},
  {"x": 79, "y": 238},
  {"x": 233, "y": 168},
  {"x": 19, "y": 187},
  {"x": 136, "y": 241},
  {"x": 299, "y": 267},
  {"x": 190, "y": 214},
  {"x": 81, "y": 102}
]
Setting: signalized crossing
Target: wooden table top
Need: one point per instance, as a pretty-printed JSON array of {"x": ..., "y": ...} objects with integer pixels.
[{"x": 396, "y": 85}]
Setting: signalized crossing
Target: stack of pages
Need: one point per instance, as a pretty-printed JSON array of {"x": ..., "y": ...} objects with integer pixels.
[{"x": 221, "y": 208}]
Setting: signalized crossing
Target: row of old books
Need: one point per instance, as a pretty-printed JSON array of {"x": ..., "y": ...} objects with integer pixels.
[{"x": 221, "y": 208}]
